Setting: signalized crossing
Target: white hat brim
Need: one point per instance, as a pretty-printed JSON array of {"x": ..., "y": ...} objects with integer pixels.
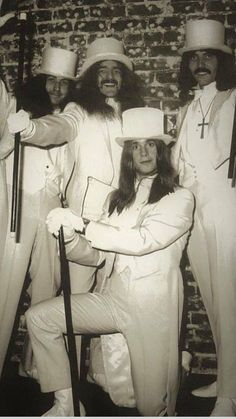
[
  {"x": 51, "y": 73},
  {"x": 104, "y": 57},
  {"x": 223, "y": 48},
  {"x": 164, "y": 137}
]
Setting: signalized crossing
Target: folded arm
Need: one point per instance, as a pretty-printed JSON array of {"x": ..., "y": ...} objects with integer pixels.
[
  {"x": 164, "y": 224},
  {"x": 78, "y": 249},
  {"x": 81, "y": 251}
]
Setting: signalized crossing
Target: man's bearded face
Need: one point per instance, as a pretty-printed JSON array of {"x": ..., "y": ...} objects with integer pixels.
[
  {"x": 203, "y": 66},
  {"x": 57, "y": 88},
  {"x": 109, "y": 78}
]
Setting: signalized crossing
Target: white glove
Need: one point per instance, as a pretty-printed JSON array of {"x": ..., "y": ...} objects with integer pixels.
[
  {"x": 19, "y": 121},
  {"x": 64, "y": 217}
]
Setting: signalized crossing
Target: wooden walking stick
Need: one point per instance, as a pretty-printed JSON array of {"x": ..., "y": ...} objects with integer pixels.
[
  {"x": 72, "y": 354},
  {"x": 15, "y": 176}
]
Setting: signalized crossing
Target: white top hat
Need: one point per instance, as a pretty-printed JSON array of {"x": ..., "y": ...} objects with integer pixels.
[
  {"x": 143, "y": 123},
  {"x": 205, "y": 34},
  {"x": 59, "y": 62},
  {"x": 105, "y": 49}
]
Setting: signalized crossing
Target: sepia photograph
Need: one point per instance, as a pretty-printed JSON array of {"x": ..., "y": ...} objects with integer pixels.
[{"x": 117, "y": 208}]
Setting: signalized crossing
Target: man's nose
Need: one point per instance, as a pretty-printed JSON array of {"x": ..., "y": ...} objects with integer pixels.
[
  {"x": 57, "y": 85},
  {"x": 110, "y": 74},
  {"x": 143, "y": 150},
  {"x": 201, "y": 61}
]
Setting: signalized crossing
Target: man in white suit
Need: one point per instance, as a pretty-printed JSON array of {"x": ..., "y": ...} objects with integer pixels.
[
  {"x": 33, "y": 251},
  {"x": 89, "y": 125},
  {"x": 108, "y": 86},
  {"x": 201, "y": 156},
  {"x": 142, "y": 233}
]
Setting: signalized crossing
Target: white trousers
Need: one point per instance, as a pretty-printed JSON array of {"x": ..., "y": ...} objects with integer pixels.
[
  {"x": 35, "y": 251},
  {"x": 212, "y": 255},
  {"x": 120, "y": 311}
]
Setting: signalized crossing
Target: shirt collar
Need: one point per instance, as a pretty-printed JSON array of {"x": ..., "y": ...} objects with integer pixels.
[{"x": 209, "y": 91}]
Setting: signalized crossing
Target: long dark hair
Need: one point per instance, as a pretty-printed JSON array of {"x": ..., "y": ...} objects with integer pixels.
[
  {"x": 163, "y": 183},
  {"x": 35, "y": 99},
  {"x": 225, "y": 76},
  {"x": 94, "y": 102}
]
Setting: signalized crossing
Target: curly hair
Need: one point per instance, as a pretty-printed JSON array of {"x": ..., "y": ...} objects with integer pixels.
[
  {"x": 225, "y": 76},
  {"x": 163, "y": 183},
  {"x": 94, "y": 102},
  {"x": 35, "y": 99}
]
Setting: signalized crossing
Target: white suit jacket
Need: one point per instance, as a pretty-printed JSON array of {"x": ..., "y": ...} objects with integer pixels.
[
  {"x": 92, "y": 150},
  {"x": 147, "y": 245},
  {"x": 219, "y": 132}
]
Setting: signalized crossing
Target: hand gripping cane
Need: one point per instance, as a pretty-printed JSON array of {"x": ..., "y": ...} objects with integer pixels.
[{"x": 66, "y": 288}]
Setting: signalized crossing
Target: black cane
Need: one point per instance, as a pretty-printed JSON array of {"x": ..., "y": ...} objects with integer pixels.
[
  {"x": 15, "y": 175},
  {"x": 66, "y": 289},
  {"x": 232, "y": 158}
]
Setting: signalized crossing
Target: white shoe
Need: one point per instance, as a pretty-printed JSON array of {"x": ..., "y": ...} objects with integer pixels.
[
  {"x": 63, "y": 405},
  {"x": 205, "y": 391},
  {"x": 224, "y": 407}
]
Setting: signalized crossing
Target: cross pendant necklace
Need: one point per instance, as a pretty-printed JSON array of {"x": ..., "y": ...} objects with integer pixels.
[{"x": 204, "y": 124}]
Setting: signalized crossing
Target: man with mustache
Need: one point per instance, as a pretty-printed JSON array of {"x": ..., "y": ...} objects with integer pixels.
[
  {"x": 108, "y": 86},
  {"x": 201, "y": 156}
]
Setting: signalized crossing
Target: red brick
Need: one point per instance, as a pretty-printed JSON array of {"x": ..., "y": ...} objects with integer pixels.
[
  {"x": 120, "y": 25},
  {"x": 73, "y": 14},
  {"x": 57, "y": 27},
  {"x": 221, "y": 6},
  {"x": 148, "y": 9},
  {"x": 104, "y": 11},
  {"x": 187, "y": 7},
  {"x": 90, "y": 25}
]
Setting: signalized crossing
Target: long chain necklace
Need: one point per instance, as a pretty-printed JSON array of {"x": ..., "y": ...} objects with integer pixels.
[{"x": 203, "y": 124}]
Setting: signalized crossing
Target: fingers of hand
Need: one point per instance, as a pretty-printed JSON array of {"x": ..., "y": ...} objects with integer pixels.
[
  {"x": 53, "y": 227},
  {"x": 54, "y": 221},
  {"x": 18, "y": 121},
  {"x": 62, "y": 217},
  {"x": 77, "y": 222}
]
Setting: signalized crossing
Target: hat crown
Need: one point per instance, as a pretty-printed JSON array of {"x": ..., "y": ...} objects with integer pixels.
[
  {"x": 58, "y": 62},
  {"x": 143, "y": 123},
  {"x": 103, "y": 49},
  {"x": 105, "y": 46},
  {"x": 205, "y": 34}
]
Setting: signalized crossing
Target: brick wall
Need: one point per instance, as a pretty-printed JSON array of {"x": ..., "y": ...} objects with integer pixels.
[{"x": 152, "y": 32}]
